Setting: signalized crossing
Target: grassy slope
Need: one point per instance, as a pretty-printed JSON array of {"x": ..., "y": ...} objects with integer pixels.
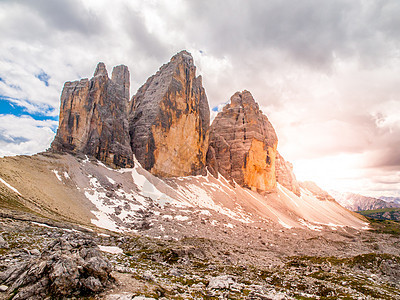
[{"x": 382, "y": 214}]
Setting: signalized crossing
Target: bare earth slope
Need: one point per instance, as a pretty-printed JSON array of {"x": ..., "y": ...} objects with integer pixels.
[
  {"x": 185, "y": 237},
  {"x": 89, "y": 192}
]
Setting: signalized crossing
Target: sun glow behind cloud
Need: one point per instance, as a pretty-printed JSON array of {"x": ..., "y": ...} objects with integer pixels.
[{"x": 333, "y": 172}]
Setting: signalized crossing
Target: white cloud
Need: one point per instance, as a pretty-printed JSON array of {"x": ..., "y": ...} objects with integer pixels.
[{"x": 24, "y": 135}]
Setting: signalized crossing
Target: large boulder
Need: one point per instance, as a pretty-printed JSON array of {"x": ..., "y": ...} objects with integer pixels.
[
  {"x": 70, "y": 266},
  {"x": 94, "y": 119},
  {"x": 169, "y": 120},
  {"x": 243, "y": 145}
]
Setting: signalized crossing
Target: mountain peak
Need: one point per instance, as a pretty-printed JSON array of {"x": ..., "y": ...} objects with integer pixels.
[
  {"x": 100, "y": 70},
  {"x": 120, "y": 75},
  {"x": 93, "y": 117},
  {"x": 169, "y": 120},
  {"x": 184, "y": 54},
  {"x": 243, "y": 144},
  {"x": 243, "y": 99}
]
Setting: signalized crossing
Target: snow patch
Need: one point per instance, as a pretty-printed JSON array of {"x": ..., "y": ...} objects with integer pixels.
[
  {"x": 104, "y": 221},
  {"x": 53, "y": 227},
  {"x": 104, "y": 166},
  {"x": 103, "y": 234},
  {"x": 284, "y": 224},
  {"x": 10, "y": 187},
  {"x": 111, "y": 249},
  {"x": 57, "y": 175},
  {"x": 115, "y": 214},
  {"x": 286, "y": 194},
  {"x": 110, "y": 180},
  {"x": 366, "y": 227},
  {"x": 310, "y": 226},
  {"x": 181, "y": 218},
  {"x": 200, "y": 198}
]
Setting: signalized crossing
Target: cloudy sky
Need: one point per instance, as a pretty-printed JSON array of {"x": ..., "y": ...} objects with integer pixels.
[{"x": 326, "y": 73}]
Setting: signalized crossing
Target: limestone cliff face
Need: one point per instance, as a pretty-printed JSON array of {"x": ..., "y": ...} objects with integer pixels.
[
  {"x": 285, "y": 175},
  {"x": 93, "y": 117},
  {"x": 243, "y": 145},
  {"x": 169, "y": 120}
]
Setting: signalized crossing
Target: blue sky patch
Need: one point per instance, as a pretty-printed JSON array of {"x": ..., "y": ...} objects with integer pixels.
[
  {"x": 215, "y": 108},
  {"x": 44, "y": 77},
  {"x": 8, "y": 107}
]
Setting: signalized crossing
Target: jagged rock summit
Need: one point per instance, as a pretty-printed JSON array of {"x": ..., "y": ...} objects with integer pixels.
[
  {"x": 169, "y": 120},
  {"x": 243, "y": 144},
  {"x": 167, "y": 126},
  {"x": 94, "y": 117}
]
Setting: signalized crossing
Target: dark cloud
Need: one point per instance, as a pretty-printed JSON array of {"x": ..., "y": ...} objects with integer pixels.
[
  {"x": 310, "y": 32},
  {"x": 66, "y": 15}
]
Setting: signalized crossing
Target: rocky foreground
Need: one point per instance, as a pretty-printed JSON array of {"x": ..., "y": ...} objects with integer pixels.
[{"x": 57, "y": 260}]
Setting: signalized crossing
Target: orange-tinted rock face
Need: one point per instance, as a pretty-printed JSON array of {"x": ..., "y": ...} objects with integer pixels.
[
  {"x": 285, "y": 175},
  {"x": 169, "y": 120},
  {"x": 93, "y": 117},
  {"x": 259, "y": 168},
  {"x": 243, "y": 145}
]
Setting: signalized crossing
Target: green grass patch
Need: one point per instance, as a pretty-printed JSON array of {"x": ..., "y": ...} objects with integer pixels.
[{"x": 385, "y": 226}]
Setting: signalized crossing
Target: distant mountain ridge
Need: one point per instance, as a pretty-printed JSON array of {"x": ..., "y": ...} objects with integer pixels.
[
  {"x": 390, "y": 199},
  {"x": 357, "y": 202}
]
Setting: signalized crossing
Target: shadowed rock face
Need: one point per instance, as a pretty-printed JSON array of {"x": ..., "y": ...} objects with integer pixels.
[
  {"x": 285, "y": 175},
  {"x": 243, "y": 145},
  {"x": 169, "y": 120},
  {"x": 93, "y": 117}
]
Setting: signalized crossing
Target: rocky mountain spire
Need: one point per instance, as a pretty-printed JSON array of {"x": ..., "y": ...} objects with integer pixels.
[
  {"x": 100, "y": 70},
  {"x": 120, "y": 75},
  {"x": 94, "y": 119},
  {"x": 169, "y": 120},
  {"x": 243, "y": 144}
]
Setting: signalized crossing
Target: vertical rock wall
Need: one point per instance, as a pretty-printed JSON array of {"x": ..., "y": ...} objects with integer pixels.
[
  {"x": 93, "y": 117},
  {"x": 169, "y": 120},
  {"x": 243, "y": 145}
]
